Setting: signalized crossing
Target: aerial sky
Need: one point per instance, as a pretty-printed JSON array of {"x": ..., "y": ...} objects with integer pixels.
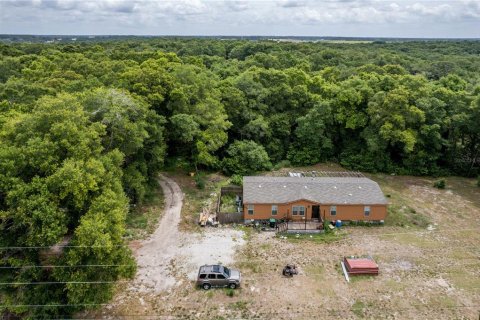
[{"x": 355, "y": 18}]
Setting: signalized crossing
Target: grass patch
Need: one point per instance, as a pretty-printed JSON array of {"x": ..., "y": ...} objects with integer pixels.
[
  {"x": 228, "y": 203},
  {"x": 316, "y": 271},
  {"x": 239, "y": 305},
  {"x": 394, "y": 285},
  {"x": 315, "y": 237},
  {"x": 230, "y": 292},
  {"x": 401, "y": 211},
  {"x": 413, "y": 239},
  {"x": 462, "y": 278},
  {"x": 247, "y": 232},
  {"x": 142, "y": 220},
  {"x": 404, "y": 216},
  {"x": 265, "y": 246},
  {"x": 360, "y": 278},
  {"x": 252, "y": 265},
  {"x": 358, "y": 309},
  {"x": 442, "y": 301}
]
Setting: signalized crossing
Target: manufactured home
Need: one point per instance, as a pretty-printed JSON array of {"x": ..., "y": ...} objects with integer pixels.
[{"x": 313, "y": 198}]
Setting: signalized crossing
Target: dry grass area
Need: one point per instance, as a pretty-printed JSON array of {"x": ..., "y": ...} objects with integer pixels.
[
  {"x": 428, "y": 252},
  {"x": 195, "y": 198},
  {"x": 142, "y": 220}
]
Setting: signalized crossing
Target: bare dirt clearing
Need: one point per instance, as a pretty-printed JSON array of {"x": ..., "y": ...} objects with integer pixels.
[
  {"x": 170, "y": 258},
  {"x": 430, "y": 272}
]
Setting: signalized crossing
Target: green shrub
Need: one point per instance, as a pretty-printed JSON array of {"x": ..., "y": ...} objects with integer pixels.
[
  {"x": 228, "y": 203},
  {"x": 230, "y": 292},
  {"x": 246, "y": 157},
  {"x": 200, "y": 180},
  {"x": 326, "y": 227},
  {"x": 440, "y": 184},
  {"x": 282, "y": 164},
  {"x": 236, "y": 179}
]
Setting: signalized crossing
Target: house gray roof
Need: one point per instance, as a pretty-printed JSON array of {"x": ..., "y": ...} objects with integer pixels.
[{"x": 326, "y": 190}]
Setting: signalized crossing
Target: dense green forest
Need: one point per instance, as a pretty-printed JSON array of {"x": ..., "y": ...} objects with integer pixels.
[{"x": 85, "y": 127}]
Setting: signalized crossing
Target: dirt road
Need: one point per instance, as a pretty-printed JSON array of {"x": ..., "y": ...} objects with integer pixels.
[
  {"x": 169, "y": 257},
  {"x": 159, "y": 249}
]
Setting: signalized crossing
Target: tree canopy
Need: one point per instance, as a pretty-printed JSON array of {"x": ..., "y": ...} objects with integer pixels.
[{"x": 85, "y": 127}]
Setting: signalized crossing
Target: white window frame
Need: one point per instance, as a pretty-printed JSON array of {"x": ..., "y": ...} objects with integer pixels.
[
  {"x": 251, "y": 209},
  {"x": 274, "y": 210},
  {"x": 366, "y": 211},
  {"x": 333, "y": 210},
  {"x": 298, "y": 211}
]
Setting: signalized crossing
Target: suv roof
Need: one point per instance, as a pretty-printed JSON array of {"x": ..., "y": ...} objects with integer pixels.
[{"x": 211, "y": 268}]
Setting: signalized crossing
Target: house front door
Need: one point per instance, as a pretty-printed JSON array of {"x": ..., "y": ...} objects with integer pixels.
[{"x": 315, "y": 212}]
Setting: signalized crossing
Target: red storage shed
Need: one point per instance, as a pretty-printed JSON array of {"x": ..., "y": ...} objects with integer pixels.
[{"x": 356, "y": 266}]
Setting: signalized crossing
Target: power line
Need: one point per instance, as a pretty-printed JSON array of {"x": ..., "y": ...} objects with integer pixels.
[
  {"x": 411, "y": 307},
  {"x": 52, "y": 305},
  {"x": 350, "y": 236},
  {"x": 162, "y": 265},
  {"x": 60, "y": 282},
  {"x": 244, "y": 278},
  {"x": 57, "y": 247},
  {"x": 75, "y": 266}
]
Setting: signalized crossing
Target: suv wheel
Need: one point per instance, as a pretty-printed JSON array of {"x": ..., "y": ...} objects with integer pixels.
[
  {"x": 232, "y": 286},
  {"x": 206, "y": 286}
]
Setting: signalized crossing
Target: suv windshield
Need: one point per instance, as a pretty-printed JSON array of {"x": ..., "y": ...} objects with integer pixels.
[{"x": 227, "y": 271}]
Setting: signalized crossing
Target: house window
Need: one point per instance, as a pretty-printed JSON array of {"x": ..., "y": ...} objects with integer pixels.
[
  {"x": 274, "y": 210},
  {"x": 250, "y": 209},
  {"x": 333, "y": 210},
  {"x": 298, "y": 210},
  {"x": 366, "y": 210}
]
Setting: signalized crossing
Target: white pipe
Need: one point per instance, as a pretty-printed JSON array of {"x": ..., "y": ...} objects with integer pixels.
[{"x": 345, "y": 271}]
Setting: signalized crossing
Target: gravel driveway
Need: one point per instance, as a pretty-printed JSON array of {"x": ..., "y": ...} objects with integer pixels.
[{"x": 169, "y": 255}]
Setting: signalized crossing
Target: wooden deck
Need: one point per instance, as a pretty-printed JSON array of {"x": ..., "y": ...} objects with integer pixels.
[{"x": 300, "y": 226}]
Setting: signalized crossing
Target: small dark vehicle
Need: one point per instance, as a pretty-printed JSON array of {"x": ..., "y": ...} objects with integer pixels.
[{"x": 289, "y": 270}]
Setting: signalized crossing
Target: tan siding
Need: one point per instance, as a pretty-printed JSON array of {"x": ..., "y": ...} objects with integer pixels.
[
  {"x": 355, "y": 212},
  {"x": 344, "y": 212}
]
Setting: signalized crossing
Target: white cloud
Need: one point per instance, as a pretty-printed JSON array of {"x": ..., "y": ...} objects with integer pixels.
[
  {"x": 235, "y": 17},
  {"x": 237, "y": 5},
  {"x": 292, "y": 3}
]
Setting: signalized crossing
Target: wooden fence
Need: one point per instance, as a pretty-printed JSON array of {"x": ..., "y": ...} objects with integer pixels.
[
  {"x": 225, "y": 218},
  {"x": 229, "y": 217},
  {"x": 231, "y": 189}
]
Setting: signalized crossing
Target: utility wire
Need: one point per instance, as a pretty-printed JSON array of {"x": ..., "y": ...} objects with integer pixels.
[
  {"x": 350, "y": 236},
  {"x": 58, "y": 282},
  {"x": 75, "y": 266},
  {"x": 411, "y": 307},
  {"x": 244, "y": 278},
  {"x": 162, "y": 265}
]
